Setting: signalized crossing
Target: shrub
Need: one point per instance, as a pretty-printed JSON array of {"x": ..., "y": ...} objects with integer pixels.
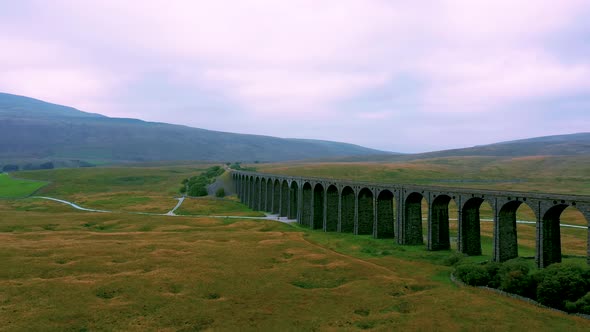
[
  {"x": 582, "y": 305},
  {"x": 197, "y": 185},
  {"x": 493, "y": 268},
  {"x": 10, "y": 168},
  {"x": 47, "y": 165},
  {"x": 473, "y": 274},
  {"x": 559, "y": 283},
  {"x": 453, "y": 259},
  {"x": 514, "y": 278},
  {"x": 197, "y": 191},
  {"x": 220, "y": 192}
]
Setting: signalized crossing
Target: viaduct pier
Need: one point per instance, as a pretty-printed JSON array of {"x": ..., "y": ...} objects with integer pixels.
[{"x": 368, "y": 208}]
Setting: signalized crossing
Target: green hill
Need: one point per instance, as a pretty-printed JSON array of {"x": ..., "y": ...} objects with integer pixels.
[{"x": 31, "y": 129}]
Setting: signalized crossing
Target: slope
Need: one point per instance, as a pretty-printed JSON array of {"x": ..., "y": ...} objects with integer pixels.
[{"x": 33, "y": 129}]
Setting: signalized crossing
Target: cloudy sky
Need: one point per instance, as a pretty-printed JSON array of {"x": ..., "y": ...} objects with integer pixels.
[{"x": 405, "y": 76}]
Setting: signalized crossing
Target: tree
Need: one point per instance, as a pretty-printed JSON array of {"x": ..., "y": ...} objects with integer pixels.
[
  {"x": 220, "y": 192},
  {"x": 10, "y": 168},
  {"x": 47, "y": 165}
]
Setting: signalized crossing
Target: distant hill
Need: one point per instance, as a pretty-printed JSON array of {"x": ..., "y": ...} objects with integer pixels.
[
  {"x": 558, "y": 145},
  {"x": 32, "y": 129}
]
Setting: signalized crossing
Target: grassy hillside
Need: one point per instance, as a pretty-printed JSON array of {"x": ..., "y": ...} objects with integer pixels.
[
  {"x": 558, "y": 145},
  {"x": 553, "y": 174},
  {"x": 31, "y": 129}
]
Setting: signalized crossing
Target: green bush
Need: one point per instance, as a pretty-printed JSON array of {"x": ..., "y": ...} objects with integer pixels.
[
  {"x": 560, "y": 282},
  {"x": 493, "y": 268},
  {"x": 197, "y": 191},
  {"x": 453, "y": 259},
  {"x": 560, "y": 286},
  {"x": 220, "y": 192},
  {"x": 514, "y": 278},
  {"x": 582, "y": 305},
  {"x": 213, "y": 172},
  {"x": 197, "y": 185},
  {"x": 472, "y": 274}
]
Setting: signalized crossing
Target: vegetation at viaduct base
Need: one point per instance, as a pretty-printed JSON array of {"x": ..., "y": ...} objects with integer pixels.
[
  {"x": 196, "y": 186},
  {"x": 563, "y": 286}
]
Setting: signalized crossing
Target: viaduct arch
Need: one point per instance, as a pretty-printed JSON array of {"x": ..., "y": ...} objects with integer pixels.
[{"x": 395, "y": 211}]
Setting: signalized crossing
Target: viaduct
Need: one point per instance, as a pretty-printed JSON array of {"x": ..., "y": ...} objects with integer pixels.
[{"x": 368, "y": 208}]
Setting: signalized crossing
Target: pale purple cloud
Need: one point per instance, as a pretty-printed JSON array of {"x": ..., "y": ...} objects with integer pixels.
[{"x": 332, "y": 69}]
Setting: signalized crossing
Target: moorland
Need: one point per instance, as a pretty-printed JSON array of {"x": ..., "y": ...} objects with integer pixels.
[{"x": 65, "y": 269}]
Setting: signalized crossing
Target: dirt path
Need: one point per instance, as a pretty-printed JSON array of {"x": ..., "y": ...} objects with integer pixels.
[
  {"x": 267, "y": 217},
  {"x": 75, "y": 206},
  {"x": 171, "y": 212}
]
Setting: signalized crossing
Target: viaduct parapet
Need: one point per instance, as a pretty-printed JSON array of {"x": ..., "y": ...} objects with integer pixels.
[{"x": 368, "y": 208}]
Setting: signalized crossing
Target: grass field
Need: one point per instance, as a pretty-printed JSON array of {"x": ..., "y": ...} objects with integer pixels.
[
  {"x": 14, "y": 188},
  {"x": 132, "y": 189},
  {"x": 567, "y": 175},
  {"x": 213, "y": 206},
  {"x": 67, "y": 270},
  {"x": 70, "y": 271}
]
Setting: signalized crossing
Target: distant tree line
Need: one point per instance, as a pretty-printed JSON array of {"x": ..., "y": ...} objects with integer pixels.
[
  {"x": 238, "y": 167},
  {"x": 563, "y": 286},
  {"x": 197, "y": 185},
  {"x": 14, "y": 167},
  {"x": 27, "y": 167}
]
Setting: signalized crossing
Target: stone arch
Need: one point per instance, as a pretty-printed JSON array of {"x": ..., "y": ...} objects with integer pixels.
[
  {"x": 506, "y": 235},
  {"x": 269, "y": 186},
  {"x": 284, "y": 199},
  {"x": 332, "y": 209},
  {"x": 470, "y": 228},
  {"x": 366, "y": 212},
  {"x": 263, "y": 194},
  {"x": 413, "y": 219},
  {"x": 318, "y": 207},
  {"x": 276, "y": 196},
  {"x": 244, "y": 191},
  {"x": 438, "y": 223},
  {"x": 293, "y": 200},
  {"x": 385, "y": 216},
  {"x": 256, "y": 193},
  {"x": 551, "y": 235},
  {"x": 251, "y": 192},
  {"x": 347, "y": 211},
  {"x": 240, "y": 192},
  {"x": 306, "y": 204}
]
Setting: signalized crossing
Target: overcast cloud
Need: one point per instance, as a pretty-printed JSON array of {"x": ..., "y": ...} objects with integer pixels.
[{"x": 404, "y": 76}]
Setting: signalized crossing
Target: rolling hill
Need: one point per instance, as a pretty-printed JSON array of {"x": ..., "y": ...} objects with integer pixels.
[
  {"x": 577, "y": 144},
  {"x": 32, "y": 129}
]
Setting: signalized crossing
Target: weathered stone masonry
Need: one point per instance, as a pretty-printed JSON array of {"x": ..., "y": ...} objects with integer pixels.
[{"x": 395, "y": 211}]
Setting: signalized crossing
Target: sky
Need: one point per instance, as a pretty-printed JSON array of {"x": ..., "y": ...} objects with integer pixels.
[{"x": 403, "y": 76}]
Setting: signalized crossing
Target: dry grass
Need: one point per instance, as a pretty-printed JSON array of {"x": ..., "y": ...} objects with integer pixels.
[
  {"x": 553, "y": 174},
  {"x": 213, "y": 206},
  {"x": 61, "y": 269},
  {"x": 66, "y": 270}
]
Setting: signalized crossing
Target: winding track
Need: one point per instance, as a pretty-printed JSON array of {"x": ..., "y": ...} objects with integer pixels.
[{"x": 169, "y": 213}]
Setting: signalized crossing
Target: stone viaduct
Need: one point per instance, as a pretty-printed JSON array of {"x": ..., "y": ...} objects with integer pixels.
[{"x": 368, "y": 208}]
